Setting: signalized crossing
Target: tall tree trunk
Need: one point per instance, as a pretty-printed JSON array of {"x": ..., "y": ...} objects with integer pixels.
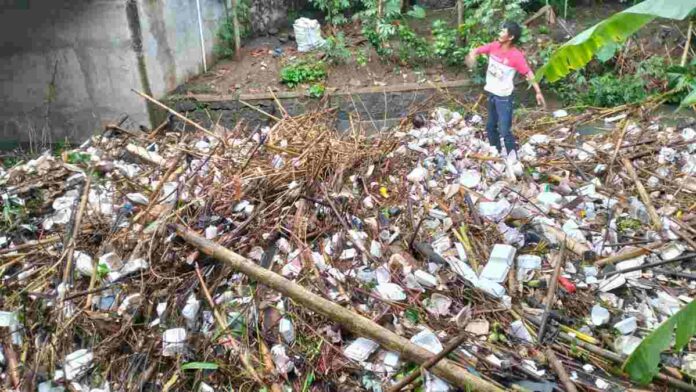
[
  {"x": 460, "y": 18},
  {"x": 235, "y": 27}
]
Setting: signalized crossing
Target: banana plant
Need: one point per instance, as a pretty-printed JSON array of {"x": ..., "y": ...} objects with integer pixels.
[{"x": 577, "y": 52}]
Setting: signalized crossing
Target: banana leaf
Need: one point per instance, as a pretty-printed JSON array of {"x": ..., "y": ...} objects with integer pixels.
[
  {"x": 642, "y": 364},
  {"x": 577, "y": 52}
]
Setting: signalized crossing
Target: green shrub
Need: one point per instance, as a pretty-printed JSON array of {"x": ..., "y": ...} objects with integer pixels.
[
  {"x": 412, "y": 47},
  {"x": 302, "y": 72},
  {"x": 224, "y": 48},
  {"x": 316, "y": 90},
  {"x": 335, "y": 49},
  {"x": 333, "y": 10},
  {"x": 609, "y": 90},
  {"x": 445, "y": 44}
]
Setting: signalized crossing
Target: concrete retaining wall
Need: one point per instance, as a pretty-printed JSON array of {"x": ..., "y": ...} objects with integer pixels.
[
  {"x": 63, "y": 65},
  {"x": 375, "y": 108},
  {"x": 68, "y": 66}
]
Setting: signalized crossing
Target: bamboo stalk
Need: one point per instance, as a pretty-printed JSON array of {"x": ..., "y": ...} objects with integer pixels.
[
  {"x": 560, "y": 371},
  {"x": 222, "y": 324},
  {"x": 628, "y": 255},
  {"x": 177, "y": 114},
  {"x": 551, "y": 293},
  {"x": 685, "y": 54},
  {"x": 76, "y": 229},
  {"x": 357, "y": 324},
  {"x": 654, "y": 217}
]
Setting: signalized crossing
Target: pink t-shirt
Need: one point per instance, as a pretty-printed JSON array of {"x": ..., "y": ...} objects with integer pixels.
[{"x": 502, "y": 65}]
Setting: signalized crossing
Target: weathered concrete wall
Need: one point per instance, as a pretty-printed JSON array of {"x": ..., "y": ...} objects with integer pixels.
[
  {"x": 68, "y": 66},
  {"x": 171, "y": 39},
  {"x": 65, "y": 66}
]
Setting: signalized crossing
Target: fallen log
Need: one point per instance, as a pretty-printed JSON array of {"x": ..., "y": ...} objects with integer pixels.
[{"x": 357, "y": 324}]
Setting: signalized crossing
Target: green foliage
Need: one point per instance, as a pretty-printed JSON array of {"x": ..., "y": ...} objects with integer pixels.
[
  {"x": 335, "y": 49},
  {"x": 77, "y": 158},
  {"x": 13, "y": 213},
  {"x": 412, "y": 315},
  {"x": 577, "y": 52},
  {"x": 102, "y": 271},
  {"x": 302, "y": 72},
  {"x": 316, "y": 90},
  {"x": 333, "y": 10},
  {"x": 642, "y": 364},
  {"x": 610, "y": 90},
  {"x": 361, "y": 57},
  {"x": 445, "y": 44},
  {"x": 199, "y": 366},
  {"x": 624, "y": 224},
  {"x": 484, "y": 19},
  {"x": 413, "y": 48},
  {"x": 60, "y": 146},
  {"x": 224, "y": 48},
  {"x": 417, "y": 12},
  {"x": 683, "y": 81},
  {"x": 10, "y": 162}
]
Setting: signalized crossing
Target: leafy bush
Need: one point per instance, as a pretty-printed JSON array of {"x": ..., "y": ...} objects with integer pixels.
[
  {"x": 413, "y": 48},
  {"x": 302, "y": 72},
  {"x": 225, "y": 46},
  {"x": 484, "y": 19},
  {"x": 316, "y": 90},
  {"x": 335, "y": 49},
  {"x": 445, "y": 44},
  {"x": 333, "y": 10},
  {"x": 610, "y": 90},
  {"x": 362, "y": 56}
]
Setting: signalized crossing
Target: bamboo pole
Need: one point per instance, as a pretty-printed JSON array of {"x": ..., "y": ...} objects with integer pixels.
[
  {"x": 685, "y": 54},
  {"x": 76, "y": 229},
  {"x": 654, "y": 217},
  {"x": 357, "y": 324},
  {"x": 560, "y": 371},
  {"x": 628, "y": 255}
]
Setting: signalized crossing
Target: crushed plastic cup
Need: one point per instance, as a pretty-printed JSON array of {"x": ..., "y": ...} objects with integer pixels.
[
  {"x": 418, "y": 174},
  {"x": 519, "y": 331},
  {"x": 470, "y": 178},
  {"x": 360, "y": 349},
  {"x": 438, "y": 305},
  {"x": 282, "y": 362},
  {"x": 627, "y": 325},
  {"x": 391, "y": 292},
  {"x": 425, "y": 279},
  {"x": 526, "y": 265},
  {"x": 427, "y": 340},
  {"x": 626, "y": 344},
  {"x": 83, "y": 263},
  {"x": 600, "y": 315},
  {"x": 287, "y": 330},
  {"x": 77, "y": 363},
  {"x": 174, "y": 342}
]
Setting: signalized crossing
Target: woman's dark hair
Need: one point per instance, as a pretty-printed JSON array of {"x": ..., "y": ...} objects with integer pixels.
[{"x": 514, "y": 30}]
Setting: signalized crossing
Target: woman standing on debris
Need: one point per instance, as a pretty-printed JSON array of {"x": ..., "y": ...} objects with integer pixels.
[{"x": 504, "y": 60}]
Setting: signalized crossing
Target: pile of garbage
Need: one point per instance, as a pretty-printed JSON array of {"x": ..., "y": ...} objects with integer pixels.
[{"x": 298, "y": 258}]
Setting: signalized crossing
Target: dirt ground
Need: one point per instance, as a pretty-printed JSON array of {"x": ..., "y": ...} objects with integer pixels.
[{"x": 259, "y": 68}]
